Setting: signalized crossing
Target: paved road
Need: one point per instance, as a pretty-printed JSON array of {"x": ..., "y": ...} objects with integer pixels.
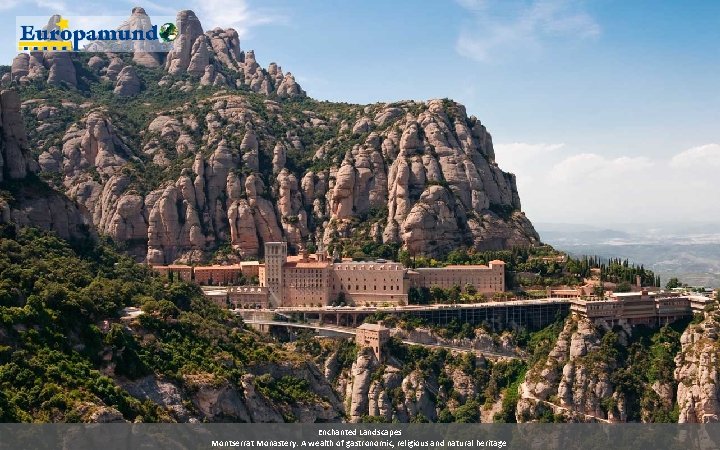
[
  {"x": 336, "y": 329},
  {"x": 352, "y": 331},
  {"x": 466, "y": 349}
]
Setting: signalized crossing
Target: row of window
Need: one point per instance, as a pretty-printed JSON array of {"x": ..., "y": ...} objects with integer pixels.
[
  {"x": 306, "y": 285},
  {"x": 385, "y": 280},
  {"x": 461, "y": 281},
  {"x": 364, "y": 288}
]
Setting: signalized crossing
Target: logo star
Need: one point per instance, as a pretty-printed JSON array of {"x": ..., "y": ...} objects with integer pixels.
[{"x": 63, "y": 23}]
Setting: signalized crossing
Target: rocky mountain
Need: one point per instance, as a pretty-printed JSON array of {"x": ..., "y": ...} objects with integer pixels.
[
  {"x": 697, "y": 372},
  {"x": 209, "y": 57},
  {"x": 204, "y": 398},
  {"x": 412, "y": 384},
  {"x": 626, "y": 375},
  {"x": 178, "y": 154},
  {"x": 27, "y": 201},
  {"x": 573, "y": 380}
]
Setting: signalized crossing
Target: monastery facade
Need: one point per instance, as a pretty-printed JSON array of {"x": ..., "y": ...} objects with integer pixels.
[{"x": 316, "y": 280}]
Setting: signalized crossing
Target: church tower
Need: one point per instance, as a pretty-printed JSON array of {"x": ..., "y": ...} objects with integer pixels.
[
  {"x": 275, "y": 258},
  {"x": 320, "y": 253}
]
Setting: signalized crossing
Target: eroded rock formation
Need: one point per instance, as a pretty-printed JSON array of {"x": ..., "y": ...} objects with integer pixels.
[
  {"x": 423, "y": 181},
  {"x": 697, "y": 372},
  {"x": 226, "y": 169},
  {"x": 32, "y": 202}
]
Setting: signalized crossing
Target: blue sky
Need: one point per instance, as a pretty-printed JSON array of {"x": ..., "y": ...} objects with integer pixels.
[{"x": 607, "y": 110}]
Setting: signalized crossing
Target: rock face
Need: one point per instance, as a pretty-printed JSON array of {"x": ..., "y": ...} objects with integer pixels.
[
  {"x": 202, "y": 398},
  {"x": 225, "y": 169},
  {"x": 60, "y": 68},
  {"x": 216, "y": 59},
  {"x": 358, "y": 390},
  {"x": 34, "y": 203},
  {"x": 444, "y": 177},
  {"x": 128, "y": 83},
  {"x": 426, "y": 181},
  {"x": 571, "y": 382},
  {"x": 697, "y": 372},
  {"x": 161, "y": 392},
  {"x": 394, "y": 392},
  {"x": 13, "y": 162}
]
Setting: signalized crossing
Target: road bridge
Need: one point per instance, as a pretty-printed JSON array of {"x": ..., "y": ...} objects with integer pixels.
[{"x": 497, "y": 316}]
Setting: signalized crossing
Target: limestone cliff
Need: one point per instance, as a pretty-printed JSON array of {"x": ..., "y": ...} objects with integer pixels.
[
  {"x": 24, "y": 199},
  {"x": 595, "y": 374},
  {"x": 203, "y": 148},
  {"x": 216, "y": 59},
  {"x": 420, "y": 386},
  {"x": 240, "y": 181},
  {"x": 14, "y": 163},
  {"x": 570, "y": 381},
  {"x": 203, "y": 398},
  {"x": 697, "y": 372}
]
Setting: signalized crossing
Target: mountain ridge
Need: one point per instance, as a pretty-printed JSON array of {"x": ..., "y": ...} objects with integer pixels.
[{"x": 180, "y": 155}]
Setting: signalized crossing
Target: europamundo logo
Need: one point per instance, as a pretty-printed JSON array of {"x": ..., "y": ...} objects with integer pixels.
[{"x": 57, "y": 35}]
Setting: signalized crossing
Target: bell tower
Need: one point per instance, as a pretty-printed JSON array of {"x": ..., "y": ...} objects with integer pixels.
[{"x": 275, "y": 257}]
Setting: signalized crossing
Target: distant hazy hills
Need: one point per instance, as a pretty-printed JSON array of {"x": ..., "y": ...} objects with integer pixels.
[{"x": 689, "y": 251}]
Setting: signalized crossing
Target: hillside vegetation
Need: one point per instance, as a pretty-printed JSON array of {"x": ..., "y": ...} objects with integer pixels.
[{"x": 66, "y": 354}]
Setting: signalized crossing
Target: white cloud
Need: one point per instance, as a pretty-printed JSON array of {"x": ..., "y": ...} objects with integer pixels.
[
  {"x": 592, "y": 167},
  {"x": 51, "y": 5},
  {"x": 472, "y": 4},
  {"x": 154, "y": 8},
  {"x": 54, "y": 6},
  {"x": 558, "y": 183},
  {"x": 698, "y": 157},
  {"x": 235, "y": 14},
  {"x": 4, "y": 6},
  {"x": 500, "y": 26},
  {"x": 517, "y": 153}
]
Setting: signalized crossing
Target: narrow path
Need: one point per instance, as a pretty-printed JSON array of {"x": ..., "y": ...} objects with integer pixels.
[
  {"x": 465, "y": 349},
  {"x": 567, "y": 410}
]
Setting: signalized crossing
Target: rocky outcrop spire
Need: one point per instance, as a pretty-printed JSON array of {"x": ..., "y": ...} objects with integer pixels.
[
  {"x": 289, "y": 88},
  {"x": 128, "y": 82},
  {"x": 697, "y": 372},
  {"x": 49, "y": 210},
  {"x": 216, "y": 59},
  {"x": 189, "y": 29},
  {"x": 14, "y": 164},
  {"x": 142, "y": 51}
]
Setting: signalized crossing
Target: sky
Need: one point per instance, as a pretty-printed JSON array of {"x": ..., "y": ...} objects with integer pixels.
[{"x": 608, "y": 111}]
